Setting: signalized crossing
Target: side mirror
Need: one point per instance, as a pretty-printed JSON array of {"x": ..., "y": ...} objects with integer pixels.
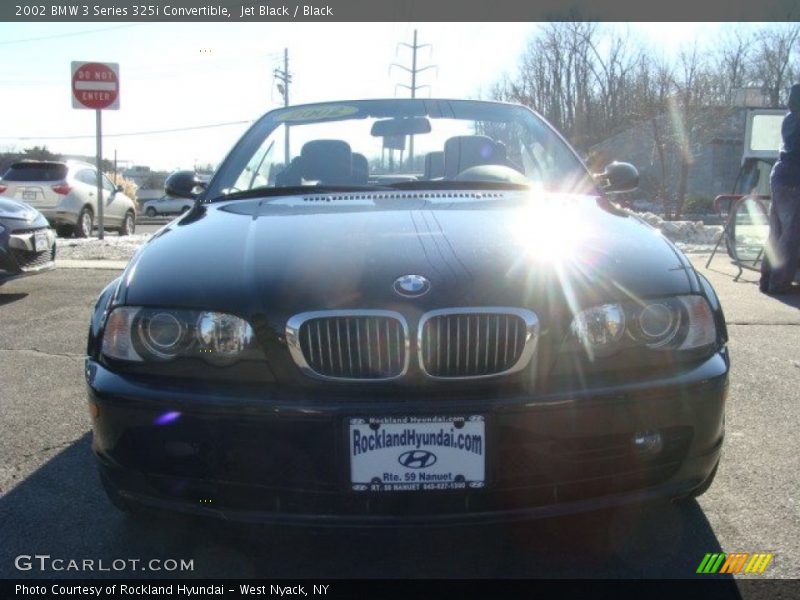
[
  {"x": 618, "y": 177},
  {"x": 184, "y": 184}
]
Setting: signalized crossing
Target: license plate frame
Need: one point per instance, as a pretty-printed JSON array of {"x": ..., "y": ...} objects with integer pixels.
[
  {"x": 41, "y": 242},
  {"x": 437, "y": 453}
]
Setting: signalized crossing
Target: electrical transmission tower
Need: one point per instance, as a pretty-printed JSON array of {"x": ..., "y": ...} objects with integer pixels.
[{"x": 413, "y": 71}]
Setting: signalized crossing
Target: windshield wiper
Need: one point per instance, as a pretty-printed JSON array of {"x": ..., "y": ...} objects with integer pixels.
[
  {"x": 267, "y": 192},
  {"x": 441, "y": 184}
]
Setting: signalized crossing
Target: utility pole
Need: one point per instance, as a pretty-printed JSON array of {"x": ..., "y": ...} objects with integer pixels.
[
  {"x": 413, "y": 71},
  {"x": 285, "y": 78}
]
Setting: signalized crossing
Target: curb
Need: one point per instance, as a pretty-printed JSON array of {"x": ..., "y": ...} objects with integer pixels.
[{"x": 112, "y": 265}]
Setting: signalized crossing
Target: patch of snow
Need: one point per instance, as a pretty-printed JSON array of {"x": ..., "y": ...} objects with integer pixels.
[
  {"x": 685, "y": 233},
  {"x": 111, "y": 247},
  {"x": 698, "y": 248}
]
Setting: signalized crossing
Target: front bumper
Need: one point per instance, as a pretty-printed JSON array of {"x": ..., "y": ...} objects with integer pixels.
[
  {"x": 253, "y": 455},
  {"x": 57, "y": 216},
  {"x": 19, "y": 256}
]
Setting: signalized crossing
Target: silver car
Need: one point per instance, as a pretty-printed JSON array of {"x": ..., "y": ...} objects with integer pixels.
[
  {"x": 166, "y": 205},
  {"x": 66, "y": 194}
]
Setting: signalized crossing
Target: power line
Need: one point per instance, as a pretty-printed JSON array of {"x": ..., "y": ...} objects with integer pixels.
[
  {"x": 63, "y": 35},
  {"x": 164, "y": 69},
  {"x": 127, "y": 134}
]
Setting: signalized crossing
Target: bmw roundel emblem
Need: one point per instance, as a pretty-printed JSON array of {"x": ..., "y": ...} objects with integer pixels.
[{"x": 412, "y": 286}]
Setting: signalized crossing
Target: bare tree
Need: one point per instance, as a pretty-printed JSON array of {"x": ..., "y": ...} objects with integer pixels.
[
  {"x": 593, "y": 82},
  {"x": 775, "y": 60},
  {"x": 578, "y": 76},
  {"x": 730, "y": 66},
  {"x": 613, "y": 72},
  {"x": 693, "y": 89}
]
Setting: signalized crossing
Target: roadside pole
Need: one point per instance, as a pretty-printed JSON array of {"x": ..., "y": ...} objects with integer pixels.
[
  {"x": 96, "y": 86},
  {"x": 285, "y": 78},
  {"x": 100, "y": 200}
]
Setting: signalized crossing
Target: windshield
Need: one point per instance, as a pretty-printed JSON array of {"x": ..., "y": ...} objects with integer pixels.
[{"x": 400, "y": 143}]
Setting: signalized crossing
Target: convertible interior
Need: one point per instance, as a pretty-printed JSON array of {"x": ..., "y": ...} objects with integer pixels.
[{"x": 333, "y": 162}]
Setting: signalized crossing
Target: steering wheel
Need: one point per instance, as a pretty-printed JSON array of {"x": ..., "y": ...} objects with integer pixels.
[{"x": 499, "y": 173}]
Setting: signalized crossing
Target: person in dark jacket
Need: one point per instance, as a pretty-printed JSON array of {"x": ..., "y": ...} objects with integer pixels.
[{"x": 783, "y": 245}]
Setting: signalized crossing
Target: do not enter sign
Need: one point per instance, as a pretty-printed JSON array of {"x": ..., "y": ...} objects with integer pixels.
[{"x": 95, "y": 85}]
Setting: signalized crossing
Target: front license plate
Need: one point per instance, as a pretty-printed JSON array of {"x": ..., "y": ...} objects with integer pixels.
[
  {"x": 40, "y": 241},
  {"x": 389, "y": 454}
]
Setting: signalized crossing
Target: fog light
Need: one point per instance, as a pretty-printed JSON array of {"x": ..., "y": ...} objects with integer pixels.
[
  {"x": 649, "y": 442},
  {"x": 222, "y": 337},
  {"x": 599, "y": 328}
]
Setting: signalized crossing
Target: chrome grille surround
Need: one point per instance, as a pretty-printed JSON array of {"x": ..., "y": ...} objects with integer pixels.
[
  {"x": 349, "y": 356},
  {"x": 500, "y": 323}
]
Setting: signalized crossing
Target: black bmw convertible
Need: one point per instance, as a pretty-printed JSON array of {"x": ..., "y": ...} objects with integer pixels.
[{"x": 402, "y": 312}]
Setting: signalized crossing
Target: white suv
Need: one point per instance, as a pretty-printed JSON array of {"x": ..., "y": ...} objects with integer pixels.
[{"x": 66, "y": 194}]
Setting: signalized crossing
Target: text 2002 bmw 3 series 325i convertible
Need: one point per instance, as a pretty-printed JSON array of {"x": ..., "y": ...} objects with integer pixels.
[{"x": 405, "y": 311}]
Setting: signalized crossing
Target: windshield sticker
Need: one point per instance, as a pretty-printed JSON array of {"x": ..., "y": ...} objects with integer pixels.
[{"x": 314, "y": 113}]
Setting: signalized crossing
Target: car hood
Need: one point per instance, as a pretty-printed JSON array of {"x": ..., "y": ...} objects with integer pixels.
[{"x": 278, "y": 257}]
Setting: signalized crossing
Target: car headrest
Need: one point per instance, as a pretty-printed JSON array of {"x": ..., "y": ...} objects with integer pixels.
[
  {"x": 465, "y": 151},
  {"x": 327, "y": 161},
  {"x": 291, "y": 175},
  {"x": 434, "y": 165},
  {"x": 360, "y": 169}
]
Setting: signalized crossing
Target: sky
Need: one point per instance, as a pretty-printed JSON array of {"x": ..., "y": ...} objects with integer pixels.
[{"x": 190, "y": 75}]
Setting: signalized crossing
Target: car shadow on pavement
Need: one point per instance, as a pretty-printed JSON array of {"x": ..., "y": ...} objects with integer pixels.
[
  {"x": 60, "y": 510},
  {"x": 9, "y": 298},
  {"x": 792, "y": 298}
]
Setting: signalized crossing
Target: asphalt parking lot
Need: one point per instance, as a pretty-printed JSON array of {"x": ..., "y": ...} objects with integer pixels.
[{"x": 51, "y": 501}]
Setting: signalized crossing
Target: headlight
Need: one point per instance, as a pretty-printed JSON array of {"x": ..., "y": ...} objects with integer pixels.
[
  {"x": 154, "y": 334},
  {"x": 677, "y": 323}
]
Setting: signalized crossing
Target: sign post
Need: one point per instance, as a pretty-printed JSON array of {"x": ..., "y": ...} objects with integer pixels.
[{"x": 96, "y": 86}]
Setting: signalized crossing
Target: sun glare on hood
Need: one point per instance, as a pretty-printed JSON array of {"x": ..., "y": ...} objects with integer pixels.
[{"x": 550, "y": 229}]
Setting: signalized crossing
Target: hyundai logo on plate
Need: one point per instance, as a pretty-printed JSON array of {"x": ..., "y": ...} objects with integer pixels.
[
  {"x": 412, "y": 286},
  {"x": 417, "y": 459}
]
